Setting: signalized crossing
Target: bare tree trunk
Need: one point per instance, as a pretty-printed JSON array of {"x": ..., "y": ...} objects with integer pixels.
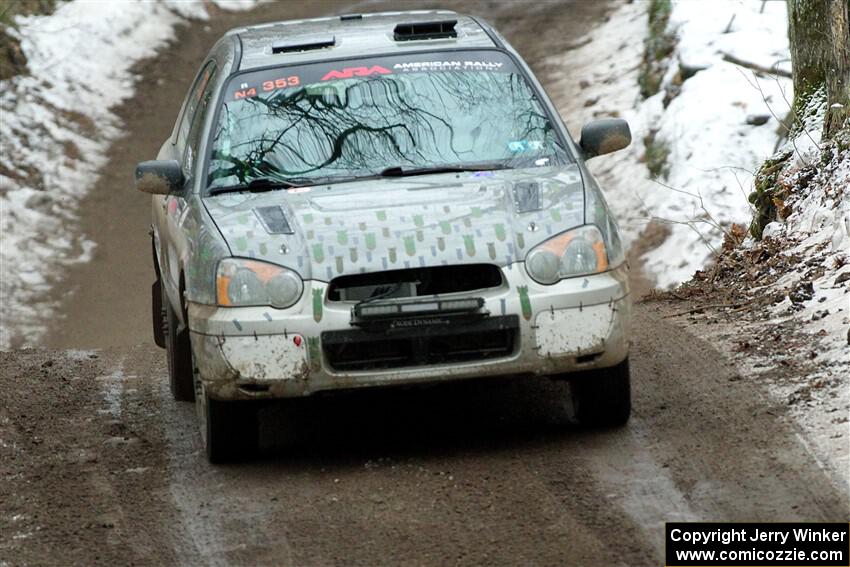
[
  {"x": 838, "y": 78},
  {"x": 819, "y": 37}
]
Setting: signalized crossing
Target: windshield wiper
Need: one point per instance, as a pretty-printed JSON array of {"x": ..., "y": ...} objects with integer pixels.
[
  {"x": 388, "y": 291},
  {"x": 401, "y": 171},
  {"x": 256, "y": 185}
]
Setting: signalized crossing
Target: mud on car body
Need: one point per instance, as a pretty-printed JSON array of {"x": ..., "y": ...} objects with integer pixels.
[{"x": 377, "y": 200}]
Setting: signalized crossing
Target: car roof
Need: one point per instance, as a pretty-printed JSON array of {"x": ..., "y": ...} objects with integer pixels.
[{"x": 351, "y": 36}]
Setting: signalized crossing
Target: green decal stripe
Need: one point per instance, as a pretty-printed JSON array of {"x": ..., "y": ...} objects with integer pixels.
[
  {"x": 500, "y": 232},
  {"x": 469, "y": 244},
  {"x": 317, "y": 305},
  {"x": 409, "y": 245},
  {"x": 524, "y": 302}
]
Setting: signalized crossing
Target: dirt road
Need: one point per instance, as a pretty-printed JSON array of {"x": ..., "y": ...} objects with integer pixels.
[{"x": 99, "y": 466}]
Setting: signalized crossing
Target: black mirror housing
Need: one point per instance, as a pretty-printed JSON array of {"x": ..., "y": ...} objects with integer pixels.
[
  {"x": 604, "y": 136},
  {"x": 159, "y": 177}
]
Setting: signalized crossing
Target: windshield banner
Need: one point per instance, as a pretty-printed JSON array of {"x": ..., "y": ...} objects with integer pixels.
[{"x": 251, "y": 84}]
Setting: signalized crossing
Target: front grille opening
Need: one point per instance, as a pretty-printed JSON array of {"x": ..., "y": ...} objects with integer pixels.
[
  {"x": 474, "y": 347},
  {"x": 415, "y": 282},
  {"x": 370, "y": 355},
  {"x": 355, "y": 349}
]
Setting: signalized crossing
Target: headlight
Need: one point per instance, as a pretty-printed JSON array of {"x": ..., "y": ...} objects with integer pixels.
[
  {"x": 241, "y": 282},
  {"x": 578, "y": 252}
]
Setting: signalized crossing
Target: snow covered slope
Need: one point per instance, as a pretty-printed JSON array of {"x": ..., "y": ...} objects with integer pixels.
[
  {"x": 711, "y": 150},
  {"x": 55, "y": 126}
]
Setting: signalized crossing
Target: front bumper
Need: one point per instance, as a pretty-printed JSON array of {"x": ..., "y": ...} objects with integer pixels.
[{"x": 261, "y": 352}]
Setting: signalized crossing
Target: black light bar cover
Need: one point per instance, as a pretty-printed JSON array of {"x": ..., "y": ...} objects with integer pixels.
[
  {"x": 304, "y": 44},
  {"x": 425, "y": 30}
]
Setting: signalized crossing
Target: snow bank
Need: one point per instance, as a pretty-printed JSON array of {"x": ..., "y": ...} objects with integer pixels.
[
  {"x": 56, "y": 126},
  {"x": 713, "y": 154},
  {"x": 713, "y": 151},
  {"x": 818, "y": 230}
]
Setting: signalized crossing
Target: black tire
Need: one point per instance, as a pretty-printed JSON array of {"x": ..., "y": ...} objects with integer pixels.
[
  {"x": 157, "y": 314},
  {"x": 230, "y": 430},
  {"x": 603, "y": 398},
  {"x": 178, "y": 351}
]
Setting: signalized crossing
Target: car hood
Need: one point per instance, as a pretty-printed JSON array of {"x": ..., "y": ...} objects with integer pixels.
[{"x": 326, "y": 231}]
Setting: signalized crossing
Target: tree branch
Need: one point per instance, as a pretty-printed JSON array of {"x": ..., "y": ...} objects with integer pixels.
[{"x": 755, "y": 66}]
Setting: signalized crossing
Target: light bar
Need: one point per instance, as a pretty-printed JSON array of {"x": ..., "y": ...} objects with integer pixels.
[
  {"x": 378, "y": 310},
  {"x": 420, "y": 307},
  {"x": 387, "y": 310}
]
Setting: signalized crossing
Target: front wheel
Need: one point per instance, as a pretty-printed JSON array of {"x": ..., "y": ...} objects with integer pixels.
[
  {"x": 229, "y": 429},
  {"x": 602, "y": 398}
]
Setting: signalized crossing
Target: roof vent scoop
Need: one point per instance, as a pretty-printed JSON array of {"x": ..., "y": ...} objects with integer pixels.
[
  {"x": 425, "y": 30},
  {"x": 303, "y": 44}
]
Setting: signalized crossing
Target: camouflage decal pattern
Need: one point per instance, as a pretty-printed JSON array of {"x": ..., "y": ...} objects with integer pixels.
[{"x": 390, "y": 224}]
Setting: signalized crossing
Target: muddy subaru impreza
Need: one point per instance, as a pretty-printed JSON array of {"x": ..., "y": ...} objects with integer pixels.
[{"x": 374, "y": 200}]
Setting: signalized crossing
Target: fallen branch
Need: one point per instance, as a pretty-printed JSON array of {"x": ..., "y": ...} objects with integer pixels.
[{"x": 755, "y": 66}]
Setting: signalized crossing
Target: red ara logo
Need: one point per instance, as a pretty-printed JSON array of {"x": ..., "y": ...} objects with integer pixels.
[{"x": 349, "y": 72}]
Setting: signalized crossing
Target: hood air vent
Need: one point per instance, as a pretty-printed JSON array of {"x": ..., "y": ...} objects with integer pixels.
[
  {"x": 527, "y": 196},
  {"x": 274, "y": 220},
  {"x": 303, "y": 44},
  {"x": 425, "y": 30}
]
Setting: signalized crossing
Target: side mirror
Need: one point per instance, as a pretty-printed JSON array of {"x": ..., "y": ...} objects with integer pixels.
[
  {"x": 604, "y": 136},
  {"x": 159, "y": 177}
]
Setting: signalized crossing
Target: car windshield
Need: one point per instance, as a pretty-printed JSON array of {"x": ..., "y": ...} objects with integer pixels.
[{"x": 348, "y": 119}]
